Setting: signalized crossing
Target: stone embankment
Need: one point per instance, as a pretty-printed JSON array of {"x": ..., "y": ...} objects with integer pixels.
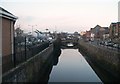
[{"x": 108, "y": 60}]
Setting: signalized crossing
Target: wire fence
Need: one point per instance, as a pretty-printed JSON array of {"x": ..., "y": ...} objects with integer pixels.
[{"x": 23, "y": 50}]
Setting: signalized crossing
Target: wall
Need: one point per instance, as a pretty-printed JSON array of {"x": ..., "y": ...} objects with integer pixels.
[
  {"x": 0, "y": 37},
  {"x": 0, "y": 48},
  {"x": 32, "y": 69},
  {"x": 6, "y": 37},
  {"x": 109, "y": 60}
]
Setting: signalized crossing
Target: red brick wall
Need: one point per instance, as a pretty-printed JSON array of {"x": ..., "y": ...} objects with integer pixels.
[{"x": 6, "y": 37}]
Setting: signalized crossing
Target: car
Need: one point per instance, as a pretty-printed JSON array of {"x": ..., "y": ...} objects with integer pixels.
[
  {"x": 106, "y": 43},
  {"x": 119, "y": 47},
  {"x": 109, "y": 44},
  {"x": 102, "y": 43},
  {"x": 116, "y": 46}
]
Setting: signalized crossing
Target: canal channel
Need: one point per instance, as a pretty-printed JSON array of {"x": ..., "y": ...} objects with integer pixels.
[{"x": 72, "y": 67}]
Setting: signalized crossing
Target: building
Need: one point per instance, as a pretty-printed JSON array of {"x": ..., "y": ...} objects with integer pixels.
[
  {"x": 104, "y": 33},
  {"x": 92, "y": 30},
  {"x": 6, "y": 32},
  {"x": 99, "y": 33},
  {"x": 119, "y": 11},
  {"x": 112, "y": 28},
  {"x": 87, "y": 36},
  {"x": 95, "y": 32},
  {"x": 82, "y": 33},
  {"x": 118, "y": 29},
  {"x": 115, "y": 31}
]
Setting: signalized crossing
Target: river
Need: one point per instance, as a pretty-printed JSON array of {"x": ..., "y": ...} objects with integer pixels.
[{"x": 72, "y": 67}]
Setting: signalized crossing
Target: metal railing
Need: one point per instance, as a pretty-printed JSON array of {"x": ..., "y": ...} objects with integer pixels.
[
  {"x": 22, "y": 52},
  {"x": 32, "y": 69}
]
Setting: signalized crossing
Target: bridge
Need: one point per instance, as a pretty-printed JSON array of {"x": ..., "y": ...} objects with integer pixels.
[{"x": 69, "y": 43}]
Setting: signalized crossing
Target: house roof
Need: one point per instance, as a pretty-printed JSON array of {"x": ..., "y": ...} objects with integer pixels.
[
  {"x": 4, "y": 13},
  {"x": 97, "y": 26}
]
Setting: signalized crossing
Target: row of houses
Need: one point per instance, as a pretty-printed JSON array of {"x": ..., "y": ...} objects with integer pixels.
[
  {"x": 104, "y": 33},
  {"x": 97, "y": 33}
]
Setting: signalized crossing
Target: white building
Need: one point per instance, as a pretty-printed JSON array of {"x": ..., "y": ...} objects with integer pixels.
[{"x": 92, "y": 36}]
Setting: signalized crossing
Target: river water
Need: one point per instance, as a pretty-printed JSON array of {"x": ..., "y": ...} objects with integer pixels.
[{"x": 72, "y": 67}]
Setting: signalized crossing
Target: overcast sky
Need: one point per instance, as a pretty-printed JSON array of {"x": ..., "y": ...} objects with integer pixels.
[{"x": 62, "y": 15}]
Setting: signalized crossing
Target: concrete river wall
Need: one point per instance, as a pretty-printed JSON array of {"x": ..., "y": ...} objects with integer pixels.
[
  {"x": 108, "y": 60},
  {"x": 32, "y": 69}
]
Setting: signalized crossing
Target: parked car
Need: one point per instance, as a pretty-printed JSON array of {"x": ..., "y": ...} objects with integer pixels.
[
  {"x": 116, "y": 46},
  {"x": 109, "y": 44},
  {"x": 102, "y": 43}
]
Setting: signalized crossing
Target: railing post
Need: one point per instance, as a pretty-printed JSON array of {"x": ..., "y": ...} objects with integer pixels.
[
  {"x": 14, "y": 55},
  {"x": 25, "y": 50}
]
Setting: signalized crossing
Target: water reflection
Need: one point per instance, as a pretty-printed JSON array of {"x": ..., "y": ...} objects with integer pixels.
[
  {"x": 55, "y": 61},
  {"x": 56, "y": 53},
  {"x": 72, "y": 67},
  {"x": 46, "y": 70}
]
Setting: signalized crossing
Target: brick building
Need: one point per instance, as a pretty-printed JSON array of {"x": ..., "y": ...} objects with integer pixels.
[
  {"x": 6, "y": 32},
  {"x": 115, "y": 32}
]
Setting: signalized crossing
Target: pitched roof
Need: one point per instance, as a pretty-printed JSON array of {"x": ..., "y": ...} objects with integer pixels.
[
  {"x": 4, "y": 13},
  {"x": 97, "y": 26}
]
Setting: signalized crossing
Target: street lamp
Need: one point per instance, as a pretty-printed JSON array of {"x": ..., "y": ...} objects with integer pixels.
[
  {"x": 32, "y": 27},
  {"x": 46, "y": 31}
]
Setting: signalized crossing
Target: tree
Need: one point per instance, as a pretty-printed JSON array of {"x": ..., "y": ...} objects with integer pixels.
[{"x": 19, "y": 32}]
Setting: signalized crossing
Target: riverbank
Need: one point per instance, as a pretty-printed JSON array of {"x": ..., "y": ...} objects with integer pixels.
[{"x": 106, "y": 60}]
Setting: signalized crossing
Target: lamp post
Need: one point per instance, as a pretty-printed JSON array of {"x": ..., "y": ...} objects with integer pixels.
[
  {"x": 46, "y": 31},
  {"x": 32, "y": 27}
]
